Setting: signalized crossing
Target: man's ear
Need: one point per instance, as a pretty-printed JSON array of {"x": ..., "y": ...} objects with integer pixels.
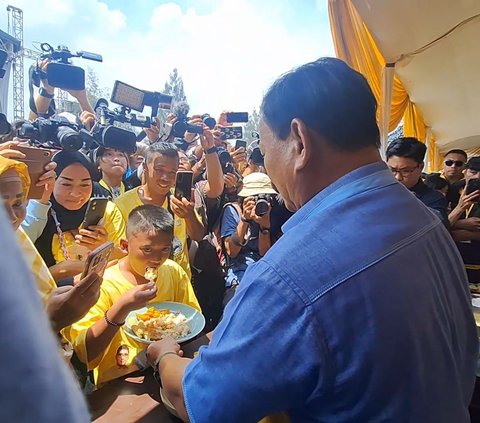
[
  {"x": 300, "y": 137},
  {"x": 124, "y": 245}
]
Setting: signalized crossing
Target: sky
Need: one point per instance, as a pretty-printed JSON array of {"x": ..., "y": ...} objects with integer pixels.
[{"x": 228, "y": 52}]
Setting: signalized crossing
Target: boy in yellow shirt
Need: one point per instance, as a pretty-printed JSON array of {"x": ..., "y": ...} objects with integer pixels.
[{"x": 99, "y": 339}]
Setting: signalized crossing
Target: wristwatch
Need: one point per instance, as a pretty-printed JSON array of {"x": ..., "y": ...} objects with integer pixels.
[
  {"x": 44, "y": 93},
  {"x": 264, "y": 230},
  {"x": 211, "y": 150}
]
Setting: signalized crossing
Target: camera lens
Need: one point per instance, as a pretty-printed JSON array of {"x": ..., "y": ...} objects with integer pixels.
[
  {"x": 69, "y": 139},
  {"x": 27, "y": 131},
  {"x": 261, "y": 207},
  {"x": 209, "y": 121}
]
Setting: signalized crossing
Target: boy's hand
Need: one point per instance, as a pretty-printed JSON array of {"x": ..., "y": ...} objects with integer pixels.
[{"x": 138, "y": 296}]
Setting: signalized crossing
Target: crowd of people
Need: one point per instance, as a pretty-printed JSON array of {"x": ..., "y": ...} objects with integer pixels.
[{"x": 333, "y": 294}]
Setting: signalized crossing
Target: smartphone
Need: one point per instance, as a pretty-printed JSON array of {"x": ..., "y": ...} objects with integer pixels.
[
  {"x": 231, "y": 132},
  {"x": 473, "y": 185},
  {"x": 97, "y": 260},
  {"x": 240, "y": 144},
  {"x": 237, "y": 117},
  {"x": 95, "y": 211},
  {"x": 36, "y": 159},
  {"x": 183, "y": 184}
]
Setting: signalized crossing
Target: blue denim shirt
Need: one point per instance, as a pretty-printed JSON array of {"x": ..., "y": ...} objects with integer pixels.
[{"x": 359, "y": 313}]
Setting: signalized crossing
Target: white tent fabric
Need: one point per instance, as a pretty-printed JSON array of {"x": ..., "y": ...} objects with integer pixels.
[{"x": 434, "y": 45}]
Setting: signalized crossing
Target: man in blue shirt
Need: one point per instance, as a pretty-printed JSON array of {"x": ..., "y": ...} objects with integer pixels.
[{"x": 361, "y": 311}]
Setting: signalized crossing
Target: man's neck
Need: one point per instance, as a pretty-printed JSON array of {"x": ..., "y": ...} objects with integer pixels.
[
  {"x": 453, "y": 180},
  {"x": 336, "y": 165},
  {"x": 112, "y": 182},
  {"x": 148, "y": 197}
]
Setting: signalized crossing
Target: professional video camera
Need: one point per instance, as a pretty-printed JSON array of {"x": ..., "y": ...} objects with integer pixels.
[
  {"x": 57, "y": 133},
  {"x": 60, "y": 71},
  {"x": 108, "y": 135}
]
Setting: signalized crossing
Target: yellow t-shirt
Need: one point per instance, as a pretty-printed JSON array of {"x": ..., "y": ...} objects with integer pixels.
[
  {"x": 112, "y": 222},
  {"x": 41, "y": 274},
  {"x": 105, "y": 185},
  {"x": 131, "y": 199},
  {"x": 173, "y": 285}
]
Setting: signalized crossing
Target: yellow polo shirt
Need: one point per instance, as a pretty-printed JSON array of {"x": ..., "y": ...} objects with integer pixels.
[
  {"x": 173, "y": 285},
  {"x": 131, "y": 199}
]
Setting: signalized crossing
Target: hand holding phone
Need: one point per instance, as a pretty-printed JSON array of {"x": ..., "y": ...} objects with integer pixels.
[
  {"x": 183, "y": 185},
  {"x": 97, "y": 260},
  {"x": 95, "y": 211}
]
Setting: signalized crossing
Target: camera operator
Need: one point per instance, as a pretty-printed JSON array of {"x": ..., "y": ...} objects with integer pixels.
[
  {"x": 46, "y": 93},
  {"x": 245, "y": 231}
]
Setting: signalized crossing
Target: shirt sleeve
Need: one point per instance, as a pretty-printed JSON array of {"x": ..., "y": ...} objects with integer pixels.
[
  {"x": 440, "y": 206},
  {"x": 230, "y": 220},
  {"x": 36, "y": 219},
  {"x": 257, "y": 364}
]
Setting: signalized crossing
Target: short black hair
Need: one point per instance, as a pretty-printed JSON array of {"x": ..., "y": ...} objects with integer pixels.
[
  {"x": 435, "y": 181},
  {"x": 408, "y": 147},
  {"x": 166, "y": 149},
  {"x": 457, "y": 151},
  {"x": 474, "y": 163},
  {"x": 330, "y": 98},
  {"x": 149, "y": 218}
]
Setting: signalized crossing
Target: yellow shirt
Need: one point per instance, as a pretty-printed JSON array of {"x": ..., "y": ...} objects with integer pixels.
[
  {"x": 131, "y": 199},
  {"x": 173, "y": 285},
  {"x": 105, "y": 185},
  {"x": 41, "y": 274},
  {"x": 112, "y": 222}
]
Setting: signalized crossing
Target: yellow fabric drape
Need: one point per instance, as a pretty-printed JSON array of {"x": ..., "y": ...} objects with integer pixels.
[{"x": 355, "y": 45}]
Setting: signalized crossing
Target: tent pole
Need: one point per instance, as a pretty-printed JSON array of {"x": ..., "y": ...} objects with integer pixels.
[{"x": 386, "y": 105}]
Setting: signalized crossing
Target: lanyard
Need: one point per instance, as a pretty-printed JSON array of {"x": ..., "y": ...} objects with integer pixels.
[{"x": 467, "y": 213}]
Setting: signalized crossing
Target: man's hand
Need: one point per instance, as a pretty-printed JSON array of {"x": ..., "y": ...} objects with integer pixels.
[
  {"x": 8, "y": 151},
  {"x": 158, "y": 348},
  {"x": 207, "y": 140},
  {"x": 222, "y": 120},
  {"x": 68, "y": 304},
  {"x": 43, "y": 65},
  {"x": 466, "y": 200},
  {"x": 183, "y": 208},
  {"x": 249, "y": 213},
  {"x": 230, "y": 180},
  {"x": 239, "y": 156},
  {"x": 195, "y": 120},
  {"x": 137, "y": 297},
  {"x": 471, "y": 224},
  {"x": 153, "y": 133},
  {"x": 88, "y": 119},
  {"x": 92, "y": 237},
  {"x": 47, "y": 180}
]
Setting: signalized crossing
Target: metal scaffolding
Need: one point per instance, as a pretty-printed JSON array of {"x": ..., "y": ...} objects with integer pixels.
[{"x": 15, "y": 28}]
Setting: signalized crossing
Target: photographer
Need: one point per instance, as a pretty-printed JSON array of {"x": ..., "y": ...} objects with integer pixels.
[{"x": 245, "y": 231}]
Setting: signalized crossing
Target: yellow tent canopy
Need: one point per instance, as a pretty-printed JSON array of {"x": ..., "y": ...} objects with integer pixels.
[{"x": 422, "y": 62}]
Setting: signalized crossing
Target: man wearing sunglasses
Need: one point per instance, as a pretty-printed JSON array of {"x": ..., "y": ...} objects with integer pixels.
[
  {"x": 405, "y": 158},
  {"x": 453, "y": 169}
]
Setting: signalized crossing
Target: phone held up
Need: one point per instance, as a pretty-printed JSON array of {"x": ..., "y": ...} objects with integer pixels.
[
  {"x": 183, "y": 185},
  {"x": 240, "y": 144},
  {"x": 97, "y": 260},
  {"x": 95, "y": 211},
  {"x": 231, "y": 132},
  {"x": 472, "y": 186}
]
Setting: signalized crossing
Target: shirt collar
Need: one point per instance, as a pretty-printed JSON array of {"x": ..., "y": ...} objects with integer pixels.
[{"x": 367, "y": 177}]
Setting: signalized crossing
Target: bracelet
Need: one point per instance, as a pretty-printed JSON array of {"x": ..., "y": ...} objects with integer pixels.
[
  {"x": 157, "y": 361},
  {"x": 44, "y": 93},
  {"x": 211, "y": 150},
  {"x": 110, "y": 323},
  {"x": 264, "y": 230},
  {"x": 246, "y": 220}
]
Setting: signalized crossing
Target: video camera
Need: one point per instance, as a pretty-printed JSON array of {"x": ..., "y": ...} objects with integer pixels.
[
  {"x": 60, "y": 71},
  {"x": 136, "y": 99},
  {"x": 57, "y": 133},
  {"x": 108, "y": 135}
]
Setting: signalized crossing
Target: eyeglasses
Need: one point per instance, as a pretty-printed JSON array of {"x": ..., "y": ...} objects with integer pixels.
[
  {"x": 456, "y": 163},
  {"x": 404, "y": 172}
]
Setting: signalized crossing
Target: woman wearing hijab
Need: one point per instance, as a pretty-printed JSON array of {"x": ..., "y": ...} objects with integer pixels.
[
  {"x": 62, "y": 244},
  {"x": 64, "y": 306}
]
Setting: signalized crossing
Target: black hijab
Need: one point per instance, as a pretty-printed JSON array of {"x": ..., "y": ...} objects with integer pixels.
[{"x": 68, "y": 219}]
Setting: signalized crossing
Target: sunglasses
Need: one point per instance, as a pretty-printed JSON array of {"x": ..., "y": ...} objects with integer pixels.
[{"x": 456, "y": 163}]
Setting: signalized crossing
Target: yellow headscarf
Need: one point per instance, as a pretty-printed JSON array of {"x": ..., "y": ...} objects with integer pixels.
[{"x": 20, "y": 168}]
